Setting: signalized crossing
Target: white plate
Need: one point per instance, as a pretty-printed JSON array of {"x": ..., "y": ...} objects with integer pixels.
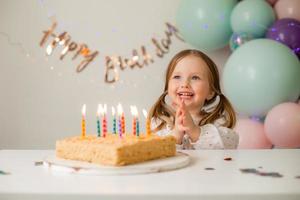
[{"x": 178, "y": 161}]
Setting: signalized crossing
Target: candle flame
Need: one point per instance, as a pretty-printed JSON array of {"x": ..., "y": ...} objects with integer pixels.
[
  {"x": 120, "y": 109},
  {"x": 83, "y": 111},
  {"x": 99, "y": 110},
  {"x": 102, "y": 109},
  {"x": 145, "y": 113},
  {"x": 105, "y": 109},
  {"x": 113, "y": 111},
  {"x": 134, "y": 111}
]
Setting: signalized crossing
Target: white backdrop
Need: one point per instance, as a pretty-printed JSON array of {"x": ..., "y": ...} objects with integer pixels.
[{"x": 41, "y": 97}]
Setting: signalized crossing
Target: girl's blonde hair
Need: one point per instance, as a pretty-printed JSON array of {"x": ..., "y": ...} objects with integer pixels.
[{"x": 165, "y": 115}]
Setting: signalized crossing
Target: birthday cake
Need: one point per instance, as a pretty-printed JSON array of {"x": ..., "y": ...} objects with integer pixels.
[{"x": 115, "y": 150}]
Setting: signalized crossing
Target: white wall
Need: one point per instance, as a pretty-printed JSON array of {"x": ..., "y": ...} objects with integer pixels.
[{"x": 41, "y": 97}]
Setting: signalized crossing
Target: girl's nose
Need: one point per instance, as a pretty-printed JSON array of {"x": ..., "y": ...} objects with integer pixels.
[{"x": 185, "y": 84}]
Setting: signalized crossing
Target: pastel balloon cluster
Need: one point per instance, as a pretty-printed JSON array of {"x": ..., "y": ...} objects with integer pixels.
[
  {"x": 281, "y": 128},
  {"x": 213, "y": 24},
  {"x": 261, "y": 76},
  {"x": 267, "y": 73}
]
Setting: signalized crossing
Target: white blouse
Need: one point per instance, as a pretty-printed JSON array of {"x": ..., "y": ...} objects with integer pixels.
[{"x": 212, "y": 136}]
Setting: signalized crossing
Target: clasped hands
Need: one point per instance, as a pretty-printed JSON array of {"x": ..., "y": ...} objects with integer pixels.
[{"x": 184, "y": 124}]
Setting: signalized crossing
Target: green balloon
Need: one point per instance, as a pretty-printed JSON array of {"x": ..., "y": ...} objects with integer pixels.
[
  {"x": 259, "y": 75},
  {"x": 205, "y": 24},
  {"x": 252, "y": 16}
]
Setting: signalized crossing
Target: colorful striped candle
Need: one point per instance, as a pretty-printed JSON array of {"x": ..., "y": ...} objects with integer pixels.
[
  {"x": 104, "y": 125},
  {"x": 123, "y": 123},
  {"x": 120, "y": 113},
  {"x": 98, "y": 120},
  {"x": 134, "y": 114},
  {"x": 148, "y": 128},
  {"x": 137, "y": 127},
  {"x": 113, "y": 112},
  {"x": 120, "y": 127},
  {"x": 104, "y": 120},
  {"x": 83, "y": 129}
]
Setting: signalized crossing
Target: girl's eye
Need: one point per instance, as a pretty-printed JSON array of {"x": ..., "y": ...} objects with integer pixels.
[
  {"x": 176, "y": 77},
  {"x": 195, "y": 78}
]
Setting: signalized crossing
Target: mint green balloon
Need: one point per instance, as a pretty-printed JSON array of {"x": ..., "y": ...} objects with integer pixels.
[
  {"x": 259, "y": 75},
  {"x": 252, "y": 16},
  {"x": 205, "y": 24}
]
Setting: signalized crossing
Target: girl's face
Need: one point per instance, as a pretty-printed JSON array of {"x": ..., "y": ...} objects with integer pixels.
[{"x": 189, "y": 82}]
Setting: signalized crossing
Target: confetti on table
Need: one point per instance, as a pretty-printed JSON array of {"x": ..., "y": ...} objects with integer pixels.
[
  {"x": 228, "y": 159},
  {"x": 260, "y": 173},
  {"x": 209, "y": 168},
  {"x": 249, "y": 170},
  {"x": 4, "y": 173},
  {"x": 38, "y": 163}
]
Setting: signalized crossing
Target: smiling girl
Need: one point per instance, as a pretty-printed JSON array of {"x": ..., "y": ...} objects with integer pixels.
[{"x": 197, "y": 114}]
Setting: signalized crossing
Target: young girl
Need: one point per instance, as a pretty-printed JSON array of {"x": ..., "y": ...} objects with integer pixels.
[{"x": 198, "y": 114}]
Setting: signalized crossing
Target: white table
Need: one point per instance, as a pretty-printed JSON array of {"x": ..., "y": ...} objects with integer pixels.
[{"x": 28, "y": 181}]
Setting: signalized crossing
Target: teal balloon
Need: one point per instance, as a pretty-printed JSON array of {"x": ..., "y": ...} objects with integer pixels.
[
  {"x": 238, "y": 39},
  {"x": 259, "y": 75},
  {"x": 252, "y": 16},
  {"x": 205, "y": 24}
]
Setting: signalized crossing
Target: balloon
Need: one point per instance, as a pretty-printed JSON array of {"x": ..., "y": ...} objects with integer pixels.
[
  {"x": 238, "y": 39},
  {"x": 251, "y": 135},
  {"x": 252, "y": 16},
  {"x": 205, "y": 24},
  {"x": 259, "y": 75},
  {"x": 288, "y": 9},
  {"x": 282, "y": 125},
  {"x": 286, "y": 31}
]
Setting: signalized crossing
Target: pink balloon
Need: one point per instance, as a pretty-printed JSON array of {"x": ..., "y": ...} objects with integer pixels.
[
  {"x": 282, "y": 125},
  {"x": 288, "y": 9},
  {"x": 252, "y": 135}
]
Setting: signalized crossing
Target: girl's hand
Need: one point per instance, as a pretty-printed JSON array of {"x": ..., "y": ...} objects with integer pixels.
[
  {"x": 178, "y": 130},
  {"x": 188, "y": 125}
]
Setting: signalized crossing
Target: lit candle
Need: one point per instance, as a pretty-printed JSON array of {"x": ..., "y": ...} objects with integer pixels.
[
  {"x": 98, "y": 119},
  {"x": 120, "y": 111},
  {"x": 123, "y": 122},
  {"x": 137, "y": 126},
  {"x": 148, "y": 129},
  {"x": 137, "y": 121},
  {"x": 83, "y": 130},
  {"x": 104, "y": 121},
  {"x": 113, "y": 112},
  {"x": 134, "y": 114}
]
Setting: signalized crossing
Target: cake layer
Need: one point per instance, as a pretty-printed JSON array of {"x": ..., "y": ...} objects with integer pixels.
[{"x": 113, "y": 150}]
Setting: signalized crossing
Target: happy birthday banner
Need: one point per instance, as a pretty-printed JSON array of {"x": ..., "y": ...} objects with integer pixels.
[{"x": 140, "y": 56}]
